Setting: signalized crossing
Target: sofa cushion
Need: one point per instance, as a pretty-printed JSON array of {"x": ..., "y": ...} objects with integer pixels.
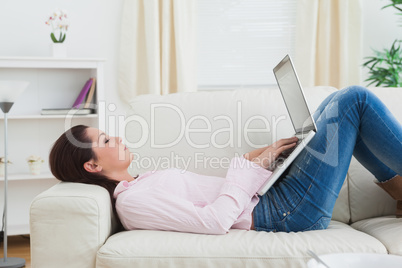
[
  {"x": 210, "y": 124},
  {"x": 367, "y": 200},
  {"x": 238, "y": 248},
  {"x": 386, "y": 229},
  {"x": 219, "y": 119},
  {"x": 202, "y": 127},
  {"x": 341, "y": 210}
]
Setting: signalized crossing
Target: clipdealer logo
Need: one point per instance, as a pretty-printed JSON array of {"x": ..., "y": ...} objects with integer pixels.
[{"x": 233, "y": 128}]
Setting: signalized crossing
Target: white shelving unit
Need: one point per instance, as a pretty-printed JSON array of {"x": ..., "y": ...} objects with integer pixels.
[
  {"x": 54, "y": 83},
  {"x": 44, "y": 116}
]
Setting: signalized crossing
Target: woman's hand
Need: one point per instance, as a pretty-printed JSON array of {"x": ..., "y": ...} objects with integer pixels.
[
  {"x": 253, "y": 154},
  {"x": 270, "y": 153}
]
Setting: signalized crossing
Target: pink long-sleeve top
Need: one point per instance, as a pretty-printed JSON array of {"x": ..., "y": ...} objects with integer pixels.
[{"x": 183, "y": 201}]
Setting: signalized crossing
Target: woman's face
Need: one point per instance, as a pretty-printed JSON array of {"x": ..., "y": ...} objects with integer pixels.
[{"x": 112, "y": 155}]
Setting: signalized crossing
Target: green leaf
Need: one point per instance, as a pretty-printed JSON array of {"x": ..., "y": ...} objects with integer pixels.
[
  {"x": 53, "y": 38},
  {"x": 64, "y": 38},
  {"x": 387, "y": 6},
  {"x": 385, "y": 68},
  {"x": 394, "y": 4}
]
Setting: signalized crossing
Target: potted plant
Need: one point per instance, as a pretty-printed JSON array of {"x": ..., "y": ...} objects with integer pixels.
[
  {"x": 59, "y": 22},
  {"x": 35, "y": 164},
  {"x": 3, "y": 164},
  {"x": 385, "y": 68}
]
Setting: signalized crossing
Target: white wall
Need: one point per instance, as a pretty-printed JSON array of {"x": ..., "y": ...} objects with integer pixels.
[
  {"x": 380, "y": 27},
  {"x": 95, "y": 30}
]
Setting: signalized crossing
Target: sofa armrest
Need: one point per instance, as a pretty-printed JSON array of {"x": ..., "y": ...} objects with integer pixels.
[{"x": 69, "y": 223}]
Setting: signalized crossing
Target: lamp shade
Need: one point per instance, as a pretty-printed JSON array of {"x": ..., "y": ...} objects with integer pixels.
[
  {"x": 11, "y": 89},
  {"x": 9, "y": 92}
]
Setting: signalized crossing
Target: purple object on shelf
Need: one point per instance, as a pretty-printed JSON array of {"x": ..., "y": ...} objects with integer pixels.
[{"x": 83, "y": 93}]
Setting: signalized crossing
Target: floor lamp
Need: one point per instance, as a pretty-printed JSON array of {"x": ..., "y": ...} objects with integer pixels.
[{"x": 9, "y": 92}]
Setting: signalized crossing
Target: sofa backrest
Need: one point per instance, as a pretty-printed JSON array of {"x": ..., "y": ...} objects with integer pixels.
[
  {"x": 202, "y": 131},
  {"x": 194, "y": 130}
]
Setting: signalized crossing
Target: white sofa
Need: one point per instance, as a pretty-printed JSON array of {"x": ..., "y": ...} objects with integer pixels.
[{"x": 72, "y": 224}]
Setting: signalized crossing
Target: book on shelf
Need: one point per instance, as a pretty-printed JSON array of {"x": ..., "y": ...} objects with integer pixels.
[
  {"x": 90, "y": 94},
  {"x": 84, "y": 91},
  {"x": 62, "y": 111},
  {"x": 81, "y": 104}
]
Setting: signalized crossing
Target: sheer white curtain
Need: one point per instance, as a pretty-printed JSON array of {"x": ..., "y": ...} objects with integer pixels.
[
  {"x": 329, "y": 42},
  {"x": 157, "y": 47}
]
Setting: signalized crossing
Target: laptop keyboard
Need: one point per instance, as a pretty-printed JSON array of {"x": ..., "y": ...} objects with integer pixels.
[{"x": 282, "y": 157}]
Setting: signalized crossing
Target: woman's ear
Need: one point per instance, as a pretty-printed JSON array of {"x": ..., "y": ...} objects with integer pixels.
[{"x": 91, "y": 166}]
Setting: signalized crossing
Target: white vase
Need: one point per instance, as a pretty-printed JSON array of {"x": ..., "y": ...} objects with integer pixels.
[
  {"x": 59, "y": 50},
  {"x": 35, "y": 167}
]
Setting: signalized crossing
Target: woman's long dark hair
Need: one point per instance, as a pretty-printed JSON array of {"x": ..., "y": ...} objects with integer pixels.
[{"x": 68, "y": 155}]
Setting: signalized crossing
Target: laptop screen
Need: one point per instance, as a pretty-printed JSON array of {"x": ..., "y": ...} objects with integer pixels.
[{"x": 293, "y": 96}]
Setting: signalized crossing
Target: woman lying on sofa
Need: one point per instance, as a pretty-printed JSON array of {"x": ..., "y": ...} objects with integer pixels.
[{"x": 352, "y": 121}]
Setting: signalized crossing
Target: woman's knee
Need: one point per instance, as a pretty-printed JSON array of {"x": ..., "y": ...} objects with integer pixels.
[
  {"x": 354, "y": 94},
  {"x": 355, "y": 90},
  {"x": 359, "y": 91}
]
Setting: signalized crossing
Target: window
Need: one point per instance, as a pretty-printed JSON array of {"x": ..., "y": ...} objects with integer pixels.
[{"x": 240, "y": 41}]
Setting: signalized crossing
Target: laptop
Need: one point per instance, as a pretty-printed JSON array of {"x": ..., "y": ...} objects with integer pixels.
[{"x": 300, "y": 115}]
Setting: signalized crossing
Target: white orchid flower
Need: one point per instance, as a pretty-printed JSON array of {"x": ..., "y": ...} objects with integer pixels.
[
  {"x": 34, "y": 158},
  {"x": 60, "y": 23}
]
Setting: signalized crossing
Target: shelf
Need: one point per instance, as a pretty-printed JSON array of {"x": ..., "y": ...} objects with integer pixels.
[
  {"x": 27, "y": 176},
  {"x": 38, "y": 116},
  {"x": 53, "y": 83},
  {"x": 48, "y": 62}
]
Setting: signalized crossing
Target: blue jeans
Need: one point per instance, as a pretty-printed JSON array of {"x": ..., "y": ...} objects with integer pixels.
[{"x": 352, "y": 121}]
